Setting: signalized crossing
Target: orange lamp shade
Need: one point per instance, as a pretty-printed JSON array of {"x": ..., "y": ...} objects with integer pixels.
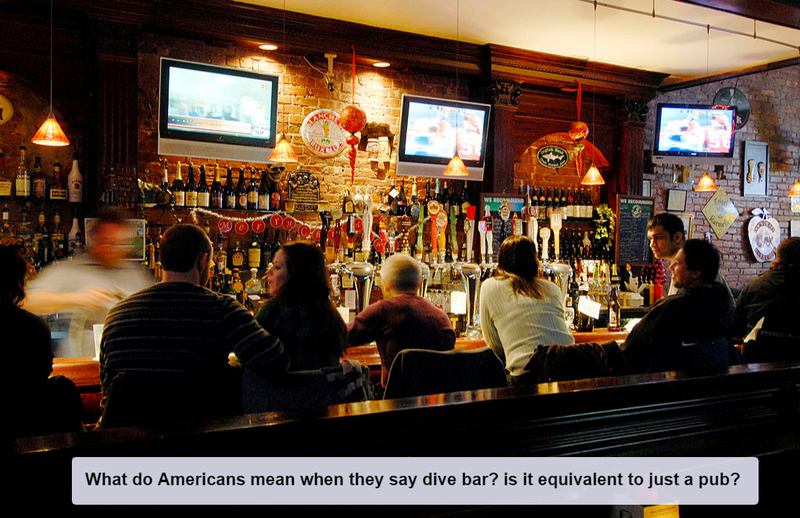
[
  {"x": 283, "y": 151},
  {"x": 50, "y": 134},
  {"x": 706, "y": 184},
  {"x": 456, "y": 167},
  {"x": 795, "y": 189},
  {"x": 593, "y": 176}
]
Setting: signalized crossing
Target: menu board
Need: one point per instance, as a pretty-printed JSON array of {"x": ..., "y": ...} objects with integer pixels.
[
  {"x": 497, "y": 211},
  {"x": 633, "y": 214}
]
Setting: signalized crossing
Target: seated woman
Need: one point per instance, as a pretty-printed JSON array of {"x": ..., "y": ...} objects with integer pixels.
[
  {"x": 300, "y": 311},
  {"x": 32, "y": 402},
  {"x": 520, "y": 311},
  {"x": 403, "y": 319}
]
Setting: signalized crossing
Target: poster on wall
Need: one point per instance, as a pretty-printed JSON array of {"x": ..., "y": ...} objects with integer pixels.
[
  {"x": 755, "y": 169},
  {"x": 764, "y": 233},
  {"x": 720, "y": 212},
  {"x": 496, "y": 219}
]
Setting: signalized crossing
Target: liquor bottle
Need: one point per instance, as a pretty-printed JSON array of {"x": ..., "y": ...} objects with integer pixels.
[
  {"x": 38, "y": 181},
  {"x": 178, "y": 188},
  {"x": 57, "y": 236},
  {"x": 45, "y": 247},
  {"x": 5, "y": 185},
  {"x": 274, "y": 196},
  {"x": 237, "y": 256},
  {"x": 5, "y": 229},
  {"x": 254, "y": 253},
  {"x": 203, "y": 193},
  {"x": 568, "y": 207},
  {"x": 252, "y": 191},
  {"x": 393, "y": 206},
  {"x": 542, "y": 203},
  {"x": 241, "y": 191},
  {"x": 221, "y": 256},
  {"x": 402, "y": 201},
  {"x": 276, "y": 244},
  {"x": 445, "y": 200},
  {"x": 266, "y": 250},
  {"x": 614, "y": 311},
  {"x": 563, "y": 199},
  {"x": 455, "y": 201},
  {"x": 191, "y": 188},
  {"x": 236, "y": 286},
  {"x": 57, "y": 190},
  {"x": 23, "y": 179},
  {"x": 464, "y": 201},
  {"x": 263, "y": 192},
  {"x": 75, "y": 236},
  {"x": 163, "y": 197},
  {"x": 437, "y": 195},
  {"x": 37, "y": 234},
  {"x": 229, "y": 193},
  {"x": 75, "y": 182},
  {"x": 216, "y": 196}
]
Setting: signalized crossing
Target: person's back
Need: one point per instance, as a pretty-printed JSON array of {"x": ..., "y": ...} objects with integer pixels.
[{"x": 402, "y": 320}]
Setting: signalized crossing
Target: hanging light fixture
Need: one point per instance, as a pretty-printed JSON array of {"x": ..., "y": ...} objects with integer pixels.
[
  {"x": 593, "y": 176},
  {"x": 795, "y": 190},
  {"x": 706, "y": 184},
  {"x": 283, "y": 151},
  {"x": 50, "y": 133},
  {"x": 456, "y": 167}
]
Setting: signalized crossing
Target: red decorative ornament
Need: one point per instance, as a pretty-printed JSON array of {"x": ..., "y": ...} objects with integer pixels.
[
  {"x": 353, "y": 119},
  {"x": 578, "y": 131}
]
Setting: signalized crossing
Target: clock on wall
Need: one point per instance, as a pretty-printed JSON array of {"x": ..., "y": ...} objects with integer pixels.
[
  {"x": 730, "y": 96},
  {"x": 6, "y": 110}
]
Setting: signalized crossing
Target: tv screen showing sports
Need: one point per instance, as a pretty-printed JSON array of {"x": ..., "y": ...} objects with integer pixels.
[
  {"x": 216, "y": 112},
  {"x": 694, "y": 130},
  {"x": 432, "y": 130}
]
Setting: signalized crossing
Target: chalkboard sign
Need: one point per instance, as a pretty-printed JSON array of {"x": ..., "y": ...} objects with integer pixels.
[
  {"x": 633, "y": 214},
  {"x": 498, "y": 210}
]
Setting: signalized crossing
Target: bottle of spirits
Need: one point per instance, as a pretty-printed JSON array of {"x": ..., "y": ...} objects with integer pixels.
[
  {"x": 221, "y": 256},
  {"x": 229, "y": 193},
  {"x": 38, "y": 181},
  {"x": 5, "y": 229},
  {"x": 402, "y": 201},
  {"x": 252, "y": 191},
  {"x": 44, "y": 250},
  {"x": 241, "y": 191},
  {"x": 237, "y": 256},
  {"x": 191, "y": 188},
  {"x": 75, "y": 182},
  {"x": 163, "y": 196},
  {"x": 614, "y": 311},
  {"x": 274, "y": 197},
  {"x": 178, "y": 188},
  {"x": 75, "y": 236},
  {"x": 263, "y": 191},
  {"x": 393, "y": 206},
  {"x": 216, "y": 196},
  {"x": 276, "y": 244},
  {"x": 57, "y": 236},
  {"x": 254, "y": 253},
  {"x": 23, "y": 179},
  {"x": 57, "y": 190},
  {"x": 5, "y": 184},
  {"x": 266, "y": 251},
  {"x": 203, "y": 192}
]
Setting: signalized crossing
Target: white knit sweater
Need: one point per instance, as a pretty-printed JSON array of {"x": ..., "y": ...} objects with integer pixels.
[{"x": 513, "y": 325}]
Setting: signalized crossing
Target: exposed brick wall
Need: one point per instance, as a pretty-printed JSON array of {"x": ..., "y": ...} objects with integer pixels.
[
  {"x": 775, "y": 108},
  {"x": 302, "y": 90}
]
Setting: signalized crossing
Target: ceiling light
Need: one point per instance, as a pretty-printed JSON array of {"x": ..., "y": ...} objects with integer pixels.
[
  {"x": 593, "y": 176},
  {"x": 706, "y": 184},
  {"x": 795, "y": 189},
  {"x": 50, "y": 133},
  {"x": 268, "y": 46},
  {"x": 381, "y": 64}
]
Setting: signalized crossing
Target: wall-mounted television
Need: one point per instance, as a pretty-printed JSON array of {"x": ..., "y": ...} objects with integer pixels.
[
  {"x": 694, "y": 134},
  {"x": 430, "y": 130},
  {"x": 208, "y": 111}
]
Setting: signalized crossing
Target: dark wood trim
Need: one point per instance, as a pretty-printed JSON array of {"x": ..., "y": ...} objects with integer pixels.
[{"x": 780, "y": 12}]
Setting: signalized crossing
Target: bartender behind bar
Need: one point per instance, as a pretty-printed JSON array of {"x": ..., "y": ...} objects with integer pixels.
[{"x": 81, "y": 290}]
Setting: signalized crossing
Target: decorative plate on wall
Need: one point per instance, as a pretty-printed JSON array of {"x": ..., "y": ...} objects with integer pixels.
[
  {"x": 6, "y": 110},
  {"x": 322, "y": 134}
]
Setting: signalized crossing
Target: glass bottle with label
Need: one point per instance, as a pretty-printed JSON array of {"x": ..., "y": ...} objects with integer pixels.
[
  {"x": 164, "y": 197},
  {"x": 263, "y": 192},
  {"x": 58, "y": 192},
  {"x": 203, "y": 193},
  {"x": 38, "y": 181},
  {"x": 191, "y": 189},
  {"x": 614, "y": 311},
  {"x": 23, "y": 179},
  {"x": 178, "y": 188},
  {"x": 216, "y": 197},
  {"x": 237, "y": 256},
  {"x": 254, "y": 253},
  {"x": 229, "y": 193},
  {"x": 5, "y": 184},
  {"x": 252, "y": 191},
  {"x": 75, "y": 182},
  {"x": 274, "y": 196},
  {"x": 241, "y": 191}
]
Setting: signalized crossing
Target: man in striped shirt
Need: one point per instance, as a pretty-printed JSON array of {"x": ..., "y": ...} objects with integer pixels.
[{"x": 179, "y": 334}]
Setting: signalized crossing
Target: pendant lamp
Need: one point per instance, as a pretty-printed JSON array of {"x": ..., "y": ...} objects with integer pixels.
[
  {"x": 706, "y": 184},
  {"x": 283, "y": 151},
  {"x": 593, "y": 176},
  {"x": 456, "y": 167},
  {"x": 795, "y": 189},
  {"x": 50, "y": 133}
]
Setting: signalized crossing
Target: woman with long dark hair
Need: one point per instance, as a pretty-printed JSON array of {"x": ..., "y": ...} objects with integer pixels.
[
  {"x": 520, "y": 311},
  {"x": 300, "y": 311}
]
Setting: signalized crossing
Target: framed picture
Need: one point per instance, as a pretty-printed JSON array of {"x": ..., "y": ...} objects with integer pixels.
[
  {"x": 676, "y": 200},
  {"x": 755, "y": 169},
  {"x": 688, "y": 222},
  {"x": 134, "y": 240},
  {"x": 646, "y": 188}
]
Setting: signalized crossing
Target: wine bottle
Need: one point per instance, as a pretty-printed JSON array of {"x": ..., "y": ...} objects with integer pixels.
[
  {"x": 274, "y": 197},
  {"x": 241, "y": 191},
  {"x": 191, "y": 188},
  {"x": 57, "y": 236},
  {"x": 216, "y": 197},
  {"x": 5, "y": 185},
  {"x": 393, "y": 206},
  {"x": 203, "y": 192},
  {"x": 229, "y": 193},
  {"x": 38, "y": 181},
  {"x": 614, "y": 311},
  {"x": 263, "y": 192},
  {"x": 402, "y": 201},
  {"x": 254, "y": 253},
  {"x": 23, "y": 179},
  {"x": 178, "y": 188},
  {"x": 45, "y": 247}
]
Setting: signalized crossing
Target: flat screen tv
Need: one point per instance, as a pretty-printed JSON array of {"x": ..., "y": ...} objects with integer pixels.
[
  {"x": 694, "y": 134},
  {"x": 430, "y": 130},
  {"x": 209, "y": 111}
]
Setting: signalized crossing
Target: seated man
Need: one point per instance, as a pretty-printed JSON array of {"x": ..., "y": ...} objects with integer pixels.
[
  {"x": 666, "y": 234},
  {"x": 179, "y": 330},
  {"x": 689, "y": 330},
  {"x": 402, "y": 320},
  {"x": 766, "y": 314}
]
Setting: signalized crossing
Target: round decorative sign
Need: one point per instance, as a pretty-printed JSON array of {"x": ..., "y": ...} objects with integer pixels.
[
  {"x": 441, "y": 219},
  {"x": 241, "y": 227},
  {"x": 276, "y": 221},
  {"x": 359, "y": 225},
  {"x": 553, "y": 157},
  {"x": 225, "y": 225},
  {"x": 304, "y": 231},
  {"x": 322, "y": 133},
  {"x": 433, "y": 207},
  {"x": 764, "y": 233},
  {"x": 259, "y": 226},
  {"x": 6, "y": 110},
  {"x": 317, "y": 235},
  {"x": 289, "y": 223}
]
